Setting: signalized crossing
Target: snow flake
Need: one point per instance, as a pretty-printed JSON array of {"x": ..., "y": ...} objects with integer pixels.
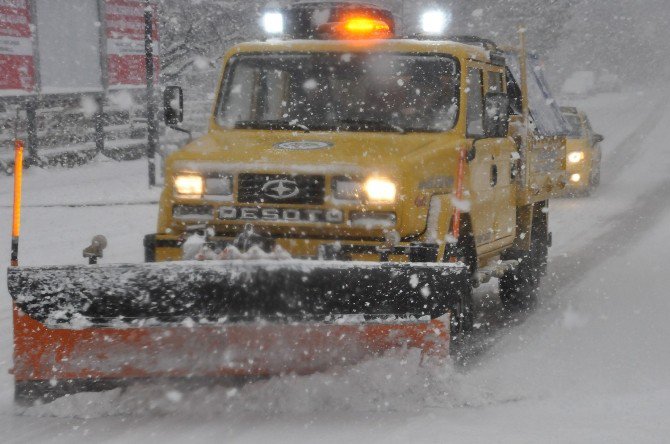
[
  {"x": 174, "y": 396},
  {"x": 414, "y": 281}
]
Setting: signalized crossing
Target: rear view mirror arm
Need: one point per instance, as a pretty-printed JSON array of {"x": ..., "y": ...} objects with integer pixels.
[{"x": 183, "y": 130}]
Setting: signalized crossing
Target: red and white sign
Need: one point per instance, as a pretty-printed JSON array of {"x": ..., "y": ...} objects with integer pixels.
[
  {"x": 17, "y": 68},
  {"x": 125, "y": 42}
]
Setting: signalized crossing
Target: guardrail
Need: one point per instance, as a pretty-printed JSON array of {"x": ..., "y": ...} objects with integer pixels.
[{"x": 67, "y": 130}]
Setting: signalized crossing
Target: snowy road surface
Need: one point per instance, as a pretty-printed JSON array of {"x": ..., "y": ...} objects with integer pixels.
[{"x": 590, "y": 365}]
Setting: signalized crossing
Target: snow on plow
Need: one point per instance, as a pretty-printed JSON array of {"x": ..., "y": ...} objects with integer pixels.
[{"x": 92, "y": 327}]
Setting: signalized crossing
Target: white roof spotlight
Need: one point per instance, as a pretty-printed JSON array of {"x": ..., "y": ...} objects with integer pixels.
[
  {"x": 435, "y": 22},
  {"x": 273, "y": 23}
]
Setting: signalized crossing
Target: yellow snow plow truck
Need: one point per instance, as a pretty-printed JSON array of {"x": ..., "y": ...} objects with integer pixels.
[{"x": 354, "y": 186}]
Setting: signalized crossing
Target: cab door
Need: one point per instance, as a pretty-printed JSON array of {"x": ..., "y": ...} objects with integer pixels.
[
  {"x": 505, "y": 212},
  {"x": 482, "y": 167}
]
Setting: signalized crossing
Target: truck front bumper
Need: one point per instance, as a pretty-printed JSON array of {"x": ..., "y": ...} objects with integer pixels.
[{"x": 163, "y": 247}]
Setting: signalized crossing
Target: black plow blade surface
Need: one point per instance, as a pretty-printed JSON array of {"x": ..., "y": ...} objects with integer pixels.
[{"x": 231, "y": 291}]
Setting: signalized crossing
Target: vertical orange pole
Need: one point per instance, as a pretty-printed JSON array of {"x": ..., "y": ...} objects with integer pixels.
[
  {"x": 460, "y": 173},
  {"x": 16, "y": 219},
  {"x": 456, "y": 227}
]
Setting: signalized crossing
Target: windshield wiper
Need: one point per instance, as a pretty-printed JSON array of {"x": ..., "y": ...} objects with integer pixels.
[
  {"x": 373, "y": 125},
  {"x": 271, "y": 125}
]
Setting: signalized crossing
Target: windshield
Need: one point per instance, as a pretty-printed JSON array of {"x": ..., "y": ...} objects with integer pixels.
[
  {"x": 335, "y": 91},
  {"x": 575, "y": 123}
]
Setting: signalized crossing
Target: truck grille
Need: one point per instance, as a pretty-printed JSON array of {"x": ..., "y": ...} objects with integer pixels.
[{"x": 281, "y": 188}]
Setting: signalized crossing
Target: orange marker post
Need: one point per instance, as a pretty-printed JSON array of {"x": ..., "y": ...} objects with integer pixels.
[
  {"x": 460, "y": 173},
  {"x": 16, "y": 219}
]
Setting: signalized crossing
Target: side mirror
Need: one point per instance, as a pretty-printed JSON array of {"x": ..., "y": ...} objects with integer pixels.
[
  {"x": 597, "y": 138},
  {"x": 496, "y": 115},
  {"x": 173, "y": 105}
]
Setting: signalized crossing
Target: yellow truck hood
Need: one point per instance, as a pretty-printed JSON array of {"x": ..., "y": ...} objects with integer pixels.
[{"x": 290, "y": 151}]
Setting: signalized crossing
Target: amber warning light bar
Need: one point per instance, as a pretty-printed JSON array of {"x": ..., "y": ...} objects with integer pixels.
[{"x": 331, "y": 20}]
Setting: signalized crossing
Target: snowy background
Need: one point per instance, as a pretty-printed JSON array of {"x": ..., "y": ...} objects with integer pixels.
[
  {"x": 623, "y": 37},
  {"x": 589, "y": 365}
]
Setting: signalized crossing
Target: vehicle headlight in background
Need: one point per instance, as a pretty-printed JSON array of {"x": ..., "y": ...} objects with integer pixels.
[
  {"x": 345, "y": 188},
  {"x": 189, "y": 185},
  {"x": 219, "y": 185},
  {"x": 380, "y": 190},
  {"x": 576, "y": 156}
]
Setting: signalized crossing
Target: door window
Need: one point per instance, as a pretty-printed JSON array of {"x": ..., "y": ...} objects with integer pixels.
[
  {"x": 475, "y": 124},
  {"x": 495, "y": 82}
]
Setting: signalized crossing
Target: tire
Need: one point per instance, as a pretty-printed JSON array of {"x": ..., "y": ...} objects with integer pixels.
[
  {"x": 462, "y": 307},
  {"x": 150, "y": 248},
  {"x": 519, "y": 288},
  {"x": 463, "y": 316},
  {"x": 29, "y": 393},
  {"x": 594, "y": 180}
]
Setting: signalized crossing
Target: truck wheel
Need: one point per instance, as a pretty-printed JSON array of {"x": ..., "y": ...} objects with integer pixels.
[
  {"x": 461, "y": 307},
  {"x": 594, "y": 180},
  {"x": 29, "y": 393},
  {"x": 462, "y": 314},
  {"x": 150, "y": 248},
  {"x": 519, "y": 288}
]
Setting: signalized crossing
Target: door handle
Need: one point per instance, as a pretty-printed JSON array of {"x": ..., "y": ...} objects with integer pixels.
[{"x": 494, "y": 175}]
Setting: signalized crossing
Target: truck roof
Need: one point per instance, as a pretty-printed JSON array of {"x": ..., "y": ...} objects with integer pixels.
[{"x": 460, "y": 50}]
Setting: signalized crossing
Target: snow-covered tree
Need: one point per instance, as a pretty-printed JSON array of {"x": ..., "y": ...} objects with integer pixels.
[
  {"x": 194, "y": 34},
  {"x": 499, "y": 20}
]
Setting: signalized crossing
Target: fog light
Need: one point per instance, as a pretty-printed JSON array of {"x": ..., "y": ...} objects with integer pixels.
[
  {"x": 370, "y": 221},
  {"x": 219, "y": 185},
  {"x": 194, "y": 213},
  {"x": 345, "y": 188},
  {"x": 575, "y": 178},
  {"x": 273, "y": 23},
  {"x": 435, "y": 22}
]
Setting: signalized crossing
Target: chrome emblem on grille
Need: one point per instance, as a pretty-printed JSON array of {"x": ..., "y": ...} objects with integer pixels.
[
  {"x": 280, "y": 189},
  {"x": 303, "y": 145}
]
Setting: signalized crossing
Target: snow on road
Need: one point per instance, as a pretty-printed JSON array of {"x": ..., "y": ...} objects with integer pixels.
[{"x": 590, "y": 365}]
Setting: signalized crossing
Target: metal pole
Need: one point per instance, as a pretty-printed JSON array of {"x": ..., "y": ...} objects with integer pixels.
[
  {"x": 525, "y": 152},
  {"x": 99, "y": 123},
  {"x": 16, "y": 217},
  {"x": 152, "y": 123},
  {"x": 31, "y": 121},
  {"x": 104, "y": 78}
]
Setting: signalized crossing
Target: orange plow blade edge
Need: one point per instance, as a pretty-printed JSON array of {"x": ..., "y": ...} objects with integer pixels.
[{"x": 52, "y": 362}]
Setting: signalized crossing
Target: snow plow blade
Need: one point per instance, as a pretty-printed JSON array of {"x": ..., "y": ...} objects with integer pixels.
[{"x": 90, "y": 324}]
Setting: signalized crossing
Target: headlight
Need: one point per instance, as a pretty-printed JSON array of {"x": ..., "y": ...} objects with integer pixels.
[
  {"x": 189, "y": 185},
  {"x": 345, "y": 188},
  {"x": 576, "y": 156},
  {"x": 380, "y": 190}
]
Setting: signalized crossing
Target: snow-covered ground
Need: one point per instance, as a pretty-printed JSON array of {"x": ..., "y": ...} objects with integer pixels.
[{"x": 589, "y": 365}]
